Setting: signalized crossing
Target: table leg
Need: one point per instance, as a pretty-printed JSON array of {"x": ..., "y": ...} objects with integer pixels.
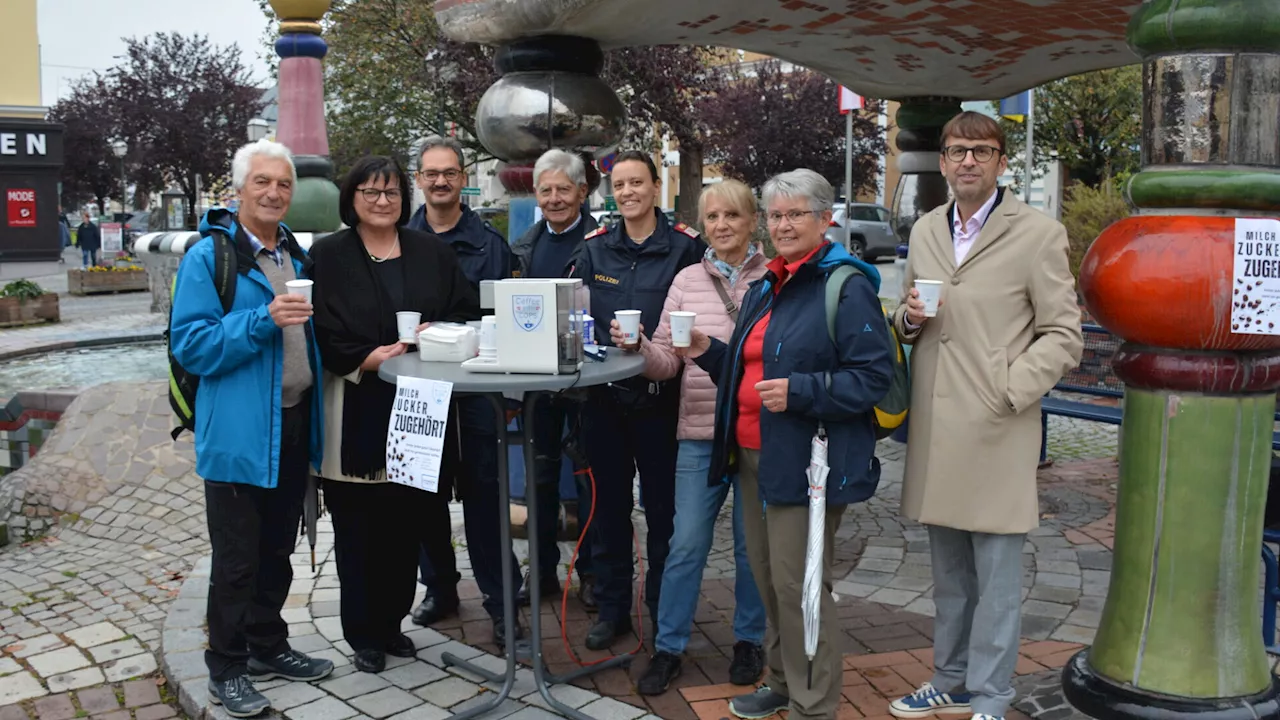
[
  {"x": 509, "y": 593},
  {"x": 541, "y": 678}
]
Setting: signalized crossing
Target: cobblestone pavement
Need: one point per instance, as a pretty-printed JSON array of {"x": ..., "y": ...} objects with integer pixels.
[{"x": 87, "y": 608}]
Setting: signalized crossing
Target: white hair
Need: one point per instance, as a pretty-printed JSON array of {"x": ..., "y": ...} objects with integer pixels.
[
  {"x": 557, "y": 160},
  {"x": 263, "y": 148},
  {"x": 802, "y": 183}
]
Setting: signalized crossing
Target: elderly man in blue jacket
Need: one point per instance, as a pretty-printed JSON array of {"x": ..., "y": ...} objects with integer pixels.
[{"x": 258, "y": 424}]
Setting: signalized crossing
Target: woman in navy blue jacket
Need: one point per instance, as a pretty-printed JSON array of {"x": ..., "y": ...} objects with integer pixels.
[{"x": 780, "y": 375}]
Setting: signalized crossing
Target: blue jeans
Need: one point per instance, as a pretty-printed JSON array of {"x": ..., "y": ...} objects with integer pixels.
[
  {"x": 90, "y": 257},
  {"x": 697, "y": 506}
]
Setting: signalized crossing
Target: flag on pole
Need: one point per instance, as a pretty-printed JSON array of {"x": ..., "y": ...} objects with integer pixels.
[
  {"x": 849, "y": 100},
  {"x": 1015, "y": 108}
]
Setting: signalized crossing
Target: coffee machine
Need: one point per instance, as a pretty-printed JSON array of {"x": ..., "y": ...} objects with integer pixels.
[{"x": 538, "y": 328}]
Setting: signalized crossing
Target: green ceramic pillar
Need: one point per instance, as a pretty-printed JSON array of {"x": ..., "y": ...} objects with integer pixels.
[
  {"x": 921, "y": 186},
  {"x": 1181, "y": 632}
]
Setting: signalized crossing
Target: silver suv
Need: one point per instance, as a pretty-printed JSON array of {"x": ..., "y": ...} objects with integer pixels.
[{"x": 870, "y": 235}]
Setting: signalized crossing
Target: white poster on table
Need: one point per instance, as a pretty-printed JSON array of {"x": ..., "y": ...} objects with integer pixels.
[
  {"x": 415, "y": 437},
  {"x": 1255, "y": 287}
]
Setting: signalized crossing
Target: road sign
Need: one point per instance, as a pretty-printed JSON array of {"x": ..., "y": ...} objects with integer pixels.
[
  {"x": 606, "y": 163},
  {"x": 849, "y": 100},
  {"x": 472, "y": 191},
  {"x": 611, "y": 205}
]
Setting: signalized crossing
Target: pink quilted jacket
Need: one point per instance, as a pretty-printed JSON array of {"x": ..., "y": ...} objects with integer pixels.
[{"x": 693, "y": 291}]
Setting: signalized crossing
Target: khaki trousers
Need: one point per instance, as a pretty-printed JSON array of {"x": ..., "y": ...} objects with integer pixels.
[{"x": 776, "y": 542}]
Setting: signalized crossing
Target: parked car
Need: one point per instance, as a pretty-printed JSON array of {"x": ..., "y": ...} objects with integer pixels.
[
  {"x": 606, "y": 217},
  {"x": 871, "y": 234}
]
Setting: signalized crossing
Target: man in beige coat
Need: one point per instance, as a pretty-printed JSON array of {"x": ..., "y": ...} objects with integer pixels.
[{"x": 1006, "y": 330}]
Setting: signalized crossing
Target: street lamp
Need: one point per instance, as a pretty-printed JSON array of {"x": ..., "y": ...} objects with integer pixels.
[
  {"x": 120, "y": 148},
  {"x": 257, "y": 129}
]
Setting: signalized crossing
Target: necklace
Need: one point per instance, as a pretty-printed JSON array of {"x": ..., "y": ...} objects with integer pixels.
[{"x": 390, "y": 252}]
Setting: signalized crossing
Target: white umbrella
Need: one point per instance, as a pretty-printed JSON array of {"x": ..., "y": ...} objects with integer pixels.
[{"x": 811, "y": 597}]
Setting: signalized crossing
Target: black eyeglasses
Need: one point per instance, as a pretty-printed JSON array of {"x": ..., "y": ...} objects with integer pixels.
[
  {"x": 981, "y": 153},
  {"x": 371, "y": 195}
]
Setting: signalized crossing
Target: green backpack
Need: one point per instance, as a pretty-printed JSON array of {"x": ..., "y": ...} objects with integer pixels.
[
  {"x": 182, "y": 384},
  {"x": 891, "y": 412}
]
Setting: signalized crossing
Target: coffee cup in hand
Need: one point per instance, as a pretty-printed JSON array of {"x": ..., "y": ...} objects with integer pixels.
[
  {"x": 301, "y": 288},
  {"x": 930, "y": 294},
  {"x": 629, "y": 324},
  {"x": 682, "y": 328}
]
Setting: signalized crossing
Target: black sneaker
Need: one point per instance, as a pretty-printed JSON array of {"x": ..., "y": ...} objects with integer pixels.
[
  {"x": 238, "y": 697},
  {"x": 290, "y": 665},
  {"x": 760, "y": 704},
  {"x": 748, "y": 663},
  {"x": 663, "y": 668}
]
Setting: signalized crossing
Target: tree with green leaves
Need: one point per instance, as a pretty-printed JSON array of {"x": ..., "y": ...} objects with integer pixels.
[{"x": 1092, "y": 121}]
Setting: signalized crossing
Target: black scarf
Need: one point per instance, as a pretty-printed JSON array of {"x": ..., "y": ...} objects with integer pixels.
[{"x": 354, "y": 315}]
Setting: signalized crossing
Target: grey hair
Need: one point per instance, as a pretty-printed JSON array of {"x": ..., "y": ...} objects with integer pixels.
[
  {"x": 263, "y": 148},
  {"x": 557, "y": 160},
  {"x": 802, "y": 183},
  {"x": 432, "y": 142}
]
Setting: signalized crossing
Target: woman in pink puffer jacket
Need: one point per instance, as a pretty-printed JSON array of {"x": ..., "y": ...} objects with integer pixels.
[{"x": 732, "y": 262}]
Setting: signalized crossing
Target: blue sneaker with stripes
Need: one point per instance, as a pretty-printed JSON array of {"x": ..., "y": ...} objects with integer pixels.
[{"x": 929, "y": 701}]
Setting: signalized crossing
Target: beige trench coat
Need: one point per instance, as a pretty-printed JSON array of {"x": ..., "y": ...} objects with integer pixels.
[{"x": 1008, "y": 330}]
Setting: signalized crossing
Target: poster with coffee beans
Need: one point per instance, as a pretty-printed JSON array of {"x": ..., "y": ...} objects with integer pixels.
[
  {"x": 1255, "y": 282},
  {"x": 415, "y": 436}
]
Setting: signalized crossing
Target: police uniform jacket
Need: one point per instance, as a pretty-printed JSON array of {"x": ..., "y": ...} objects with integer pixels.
[{"x": 482, "y": 251}]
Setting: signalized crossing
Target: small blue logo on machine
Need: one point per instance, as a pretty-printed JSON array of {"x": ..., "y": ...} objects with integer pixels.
[
  {"x": 440, "y": 392},
  {"x": 527, "y": 310}
]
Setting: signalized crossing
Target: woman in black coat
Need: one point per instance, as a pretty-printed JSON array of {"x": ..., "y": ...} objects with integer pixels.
[{"x": 364, "y": 275}]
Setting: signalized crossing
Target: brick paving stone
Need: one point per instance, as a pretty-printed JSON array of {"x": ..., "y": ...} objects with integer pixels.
[
  {"x": 130, "y": 667},
  {"x": 117, "y": 715},
  {"x": 448, "y": 692},
  {"x": 385, "y": 703},
  {"x": 34, "y": 646},
  {"x": 57, "y": 707},
  {"x": 13, "y": 712},
  {"x": 426, "y": 711},
  {"x": 115, "y": 650},
  {"x": 328, "y": 708},
  {"x": 140, "y": 692},
  {"x": 57, "y": 662},
  {"x": 94, "y": 635},
  {"x": 76, "y": 679},
  {"x": 98, "y": 700},
  {"x": 154, "y": 712}
]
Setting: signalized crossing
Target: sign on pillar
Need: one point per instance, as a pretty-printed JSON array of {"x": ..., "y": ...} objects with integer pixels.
[{"x": 21, "y": 207}]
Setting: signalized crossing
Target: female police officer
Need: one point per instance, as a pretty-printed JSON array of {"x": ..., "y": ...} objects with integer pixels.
[{"x": 631, "y": 425}]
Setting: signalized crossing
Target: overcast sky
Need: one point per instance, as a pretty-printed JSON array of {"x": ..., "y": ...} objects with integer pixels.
[{"x": 80, "y": 36}]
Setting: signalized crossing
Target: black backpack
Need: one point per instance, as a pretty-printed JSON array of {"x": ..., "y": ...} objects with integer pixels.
[{"x": 182, "y": 384}]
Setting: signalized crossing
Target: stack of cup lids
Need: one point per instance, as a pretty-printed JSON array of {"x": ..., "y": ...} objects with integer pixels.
[{"x": 489, "y": 338}]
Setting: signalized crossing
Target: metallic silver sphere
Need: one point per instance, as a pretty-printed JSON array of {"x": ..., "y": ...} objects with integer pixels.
[{"x": 525, "y": 114}]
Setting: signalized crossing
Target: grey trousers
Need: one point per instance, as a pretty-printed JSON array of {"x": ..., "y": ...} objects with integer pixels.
[
  {"x": 977, "y": 591},
  {"x": 776, "y": 543}
]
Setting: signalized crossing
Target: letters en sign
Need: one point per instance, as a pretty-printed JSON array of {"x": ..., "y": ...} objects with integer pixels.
[{"x": 22, "y": 207}]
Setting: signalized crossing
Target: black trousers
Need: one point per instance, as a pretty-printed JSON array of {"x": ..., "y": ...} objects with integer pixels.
[
  {"x": 375, "y": 543},
  {"x": 621, "y": 441},
  {"x": 548, "y": 434},
  {"x": 475, "y": 472},
  {"x": 253, "y": 532}
]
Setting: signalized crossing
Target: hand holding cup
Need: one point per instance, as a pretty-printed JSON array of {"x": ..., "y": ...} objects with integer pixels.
[
  {"x": 619, "y": 337},
  {"x": 699, "y": 344}
]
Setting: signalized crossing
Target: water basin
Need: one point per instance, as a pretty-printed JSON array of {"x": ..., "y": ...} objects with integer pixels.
[{"x": 84, "y": 367}]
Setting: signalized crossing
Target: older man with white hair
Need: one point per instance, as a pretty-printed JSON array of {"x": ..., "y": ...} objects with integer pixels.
[
  {"x": 544, "y": 251},
  {"x": 257, "y": 421}
]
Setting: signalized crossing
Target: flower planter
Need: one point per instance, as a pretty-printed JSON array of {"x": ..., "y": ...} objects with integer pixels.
[
  {"x": 20, "y": 311},
  {"x": 89, "y": 282}
]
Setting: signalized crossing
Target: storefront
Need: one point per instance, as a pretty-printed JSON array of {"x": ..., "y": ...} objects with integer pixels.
[{"x": 30, "y": 164}]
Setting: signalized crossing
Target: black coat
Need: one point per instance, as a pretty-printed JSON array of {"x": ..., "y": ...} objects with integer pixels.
[
  {"x": 88, "y": 237},
  {"x": 354, "y": 316}
]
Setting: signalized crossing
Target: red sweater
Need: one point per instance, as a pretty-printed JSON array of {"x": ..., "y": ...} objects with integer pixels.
[{"x": 749, "y": 403}]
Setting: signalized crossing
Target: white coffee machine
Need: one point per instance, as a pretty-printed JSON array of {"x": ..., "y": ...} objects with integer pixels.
[{"x": 539, "y": 327}]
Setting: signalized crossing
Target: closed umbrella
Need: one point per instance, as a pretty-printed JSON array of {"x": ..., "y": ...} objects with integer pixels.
[
  {"x": 311, "y": 514},
  {"x": 811, "y": 595}
]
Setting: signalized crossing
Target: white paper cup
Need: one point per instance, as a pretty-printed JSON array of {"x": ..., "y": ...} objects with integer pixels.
[
  {"x": 930, "y": 293},
  {"x": 682, "y": 328},
  {"x": 489, "y": 332},
  {"x": 407, "y": 323},
  {"x": 629, "y": 323},
  {"x": 300, "y": 287}
]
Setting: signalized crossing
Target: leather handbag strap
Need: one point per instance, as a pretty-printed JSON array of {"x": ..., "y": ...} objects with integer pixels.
[{"x": 729, "y": 306}]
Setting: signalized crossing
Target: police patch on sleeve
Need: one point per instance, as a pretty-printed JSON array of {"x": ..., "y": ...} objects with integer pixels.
[
  {"x": 598, "y": 231},
  {"x": 681, "y": 227}
]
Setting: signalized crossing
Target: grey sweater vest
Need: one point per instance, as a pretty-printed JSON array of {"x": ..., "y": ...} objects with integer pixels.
[{"x": 297, "y": 364}]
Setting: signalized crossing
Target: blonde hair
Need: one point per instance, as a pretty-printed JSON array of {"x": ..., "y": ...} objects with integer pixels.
[{"x": 734, "y": 192}]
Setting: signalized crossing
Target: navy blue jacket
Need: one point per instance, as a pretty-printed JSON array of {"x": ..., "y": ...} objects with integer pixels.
[
  {"x": 88, "y": 237},
  {"x": 524, "y": 247},
  {"x": 624, "y": 276},
  {"x": 482, "y": 251},
  {"x": 858, "y": 368}
]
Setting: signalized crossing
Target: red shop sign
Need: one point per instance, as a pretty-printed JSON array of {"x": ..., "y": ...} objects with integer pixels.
[{"x": 22, "y": 207}]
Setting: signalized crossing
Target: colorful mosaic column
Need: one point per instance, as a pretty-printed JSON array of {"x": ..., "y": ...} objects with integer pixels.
[
  {"x": 301, "y": 127},
  {"x": 1181, "y": 631},
  {"x": 921, "y": 186}
]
